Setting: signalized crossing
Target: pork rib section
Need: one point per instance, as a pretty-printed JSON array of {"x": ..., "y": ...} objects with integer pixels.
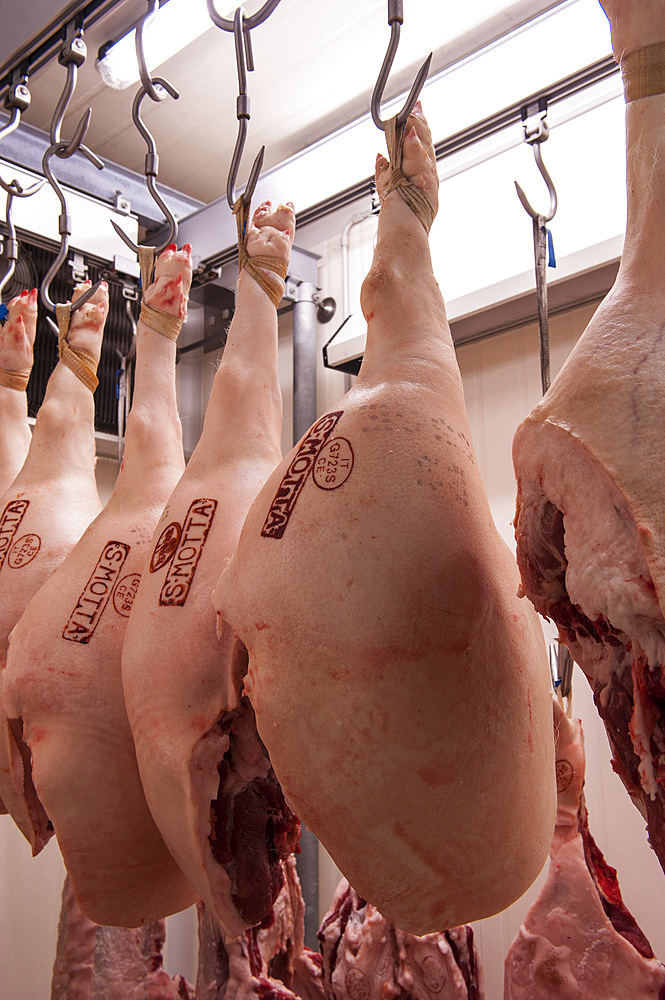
[
  {"x": 207, "y": 776},
  {"x": 398, "y": 684},
  {"x": 365, "y": 957},
  {"x": 578, "y": 938},
  {"x": 93, "y": 962},
  {"x": 589, "y": 463}
]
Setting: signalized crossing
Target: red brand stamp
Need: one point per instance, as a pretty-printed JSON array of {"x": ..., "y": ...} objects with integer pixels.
[
  {"x": 434, "y": 973},
  {"x": 84, "y": 619},
  {"x": 187, "y": 552},
  {"x": 166, "y": 545},
  {"x": 564, "y": 774},
  {"x": 23, "y": 551},
  {"x": 125, "y": 592},
  {"x": 357, "y": 984},
  {"x": 296, "y": 475},
  {"x": 333, "y": 464},
  {"x": 10, "y": 520}
]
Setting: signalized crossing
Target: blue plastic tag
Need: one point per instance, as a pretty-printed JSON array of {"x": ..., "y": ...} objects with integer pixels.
[
  {"x": 4, "y": 313},
  {"x": 551, "y": 259}
]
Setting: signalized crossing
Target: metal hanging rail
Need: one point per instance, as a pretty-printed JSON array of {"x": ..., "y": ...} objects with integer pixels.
[{"x": 512, "y": 115}]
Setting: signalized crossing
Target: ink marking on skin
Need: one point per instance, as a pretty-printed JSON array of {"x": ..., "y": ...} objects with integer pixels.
[
  {"x": 296, "y": 475},
  {"x": 167, "y": 543},
  {"x": 334, "y": 464},
  {"x": 125, "y": 592},
  {"x": 434, "y": 973},
  {"x": 10, "y": 520},
  {"x": 357, "y": 984},
  {"x": 85, "y": 617},
  {"x": 187, "y": 552},
  {"x": 23, "y": 551},
  {"x": 564, "y": 774}
]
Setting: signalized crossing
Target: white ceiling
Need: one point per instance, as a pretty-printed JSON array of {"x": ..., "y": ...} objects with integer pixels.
[{"x": 316, "y": 64}]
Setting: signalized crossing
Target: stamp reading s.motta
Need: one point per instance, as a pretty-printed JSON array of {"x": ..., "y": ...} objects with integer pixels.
[
  {"x": 187, "y": 552},
  {"x": 10, "y": 520},
  {"x": 90, "y": 606},
  {"x": 294, "y": 479}
]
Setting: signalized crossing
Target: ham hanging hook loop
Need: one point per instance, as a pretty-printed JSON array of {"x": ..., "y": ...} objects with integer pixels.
[
  {"x": 156, "y": 88},
  {"x": 536, "y": 131},
  {"x": 241, "y": 27},
  {"x": 395, "y": 20},
  {"x": 16, "y": 102},
  {"x": 72, "y": 55}
]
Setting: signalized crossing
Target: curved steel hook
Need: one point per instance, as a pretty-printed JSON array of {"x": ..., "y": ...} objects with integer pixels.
[
  {"x": 72, "y": 56},
  {"x": 144, "y": 72},
  {"x": 242, "y": 114},
  {"x": 11, "y": 245},
  {"x": 395, "y": 20},
  {"x": 151, "y": 165},
  {"x": 250, "y": 22},
  {"x": 535, "y": 137}
]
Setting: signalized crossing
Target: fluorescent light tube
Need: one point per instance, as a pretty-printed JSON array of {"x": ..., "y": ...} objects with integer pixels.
[{"x": 176, "y": 25}]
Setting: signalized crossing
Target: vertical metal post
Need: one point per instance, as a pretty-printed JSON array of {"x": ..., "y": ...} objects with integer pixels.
[
  {"x": 304, "y": 415},
  {"x": 304, "y": 360}
]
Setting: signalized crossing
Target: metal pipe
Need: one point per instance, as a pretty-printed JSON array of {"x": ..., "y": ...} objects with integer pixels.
[{"x": 304, "y": 360}]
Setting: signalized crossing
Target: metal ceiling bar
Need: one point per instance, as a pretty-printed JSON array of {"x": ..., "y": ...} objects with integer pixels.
[
  {"x": 44, "y": 46},
  {"x": 511, "y": 115}
]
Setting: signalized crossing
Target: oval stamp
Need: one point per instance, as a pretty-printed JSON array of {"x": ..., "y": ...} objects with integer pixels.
[
  {"x": 357, "y": 984},
  {"x": 334, "y": 464},
  {"x": 125, "y": 592},
  {"x": 434, "y": 973},
  {"x": 166, "y": 545},
  {"x": 564, "y": 774},
  {"x": 23, "y": 551}
]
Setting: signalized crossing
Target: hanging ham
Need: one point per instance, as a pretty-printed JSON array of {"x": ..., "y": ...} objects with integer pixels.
[
  {"x": 578, "y": 938},
  {"x": 43, "y": 514},
  {"x": 63, "y": 683},
  {"x": 590, "y": 467},
  {"x": 398, "y": 684},
  {"x": 207, "y": 776},
  {"x": 17, "y": 337}
]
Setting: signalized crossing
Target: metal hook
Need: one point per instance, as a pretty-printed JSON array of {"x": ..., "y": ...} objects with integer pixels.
[
  {"x": 151, "y": 166},
  {"x": 144, "y": 72},
  {"x": 395, "y": 20},
  {"x": 14, "y": 190},
  {"x": 242, "y": 114},
  {"x": 535, "y": 133},
  {"x": 72, "y": 56},
  {"x": 17, "y": 101},
  {"x": 561, "y": 668},
  {"x": 251, "y": 22}
]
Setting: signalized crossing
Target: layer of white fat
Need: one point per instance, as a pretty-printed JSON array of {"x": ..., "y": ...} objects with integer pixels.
[{"x": 607, "y": 574}]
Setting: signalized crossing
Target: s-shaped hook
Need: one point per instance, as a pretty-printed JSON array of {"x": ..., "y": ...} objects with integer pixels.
[{"x": 395, "y": 20}]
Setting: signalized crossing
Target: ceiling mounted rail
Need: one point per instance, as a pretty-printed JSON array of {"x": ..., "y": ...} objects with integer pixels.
[{"x": 45, "y": 46}]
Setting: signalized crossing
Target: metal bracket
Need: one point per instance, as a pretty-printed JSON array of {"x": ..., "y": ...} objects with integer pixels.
[
  {"x": 122, "y": 204},
  {"x": 79, "y": 267}
]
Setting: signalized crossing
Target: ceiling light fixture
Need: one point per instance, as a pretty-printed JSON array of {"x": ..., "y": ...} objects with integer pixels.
[{"x": 177, "y": 24}]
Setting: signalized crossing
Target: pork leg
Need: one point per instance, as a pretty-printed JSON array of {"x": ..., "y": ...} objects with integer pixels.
[
  {"x": 388, "y": 654},
  {"x": 43, "y": 514},
  {"x": 206, "y": 774},
  {"x": 63, "y": 677},
  {"x": 17, "y": 337}
]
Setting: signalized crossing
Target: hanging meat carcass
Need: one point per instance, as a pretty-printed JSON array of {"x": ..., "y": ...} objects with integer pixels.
[
  {"x": 365, "y": 957},
  {"x": 578, "y": 938},
  {"x": 399, "y": 685},
  {"x": 110, "y": 963},
  {"x": 206, "y": 774},
  {"x": 62, "y": 683},
  {"x": 590, "y": 463},
  {"x": 17, "y": 337},
  {"x": 267, "y": 962},
  {"x": 42, "y": 515}
]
